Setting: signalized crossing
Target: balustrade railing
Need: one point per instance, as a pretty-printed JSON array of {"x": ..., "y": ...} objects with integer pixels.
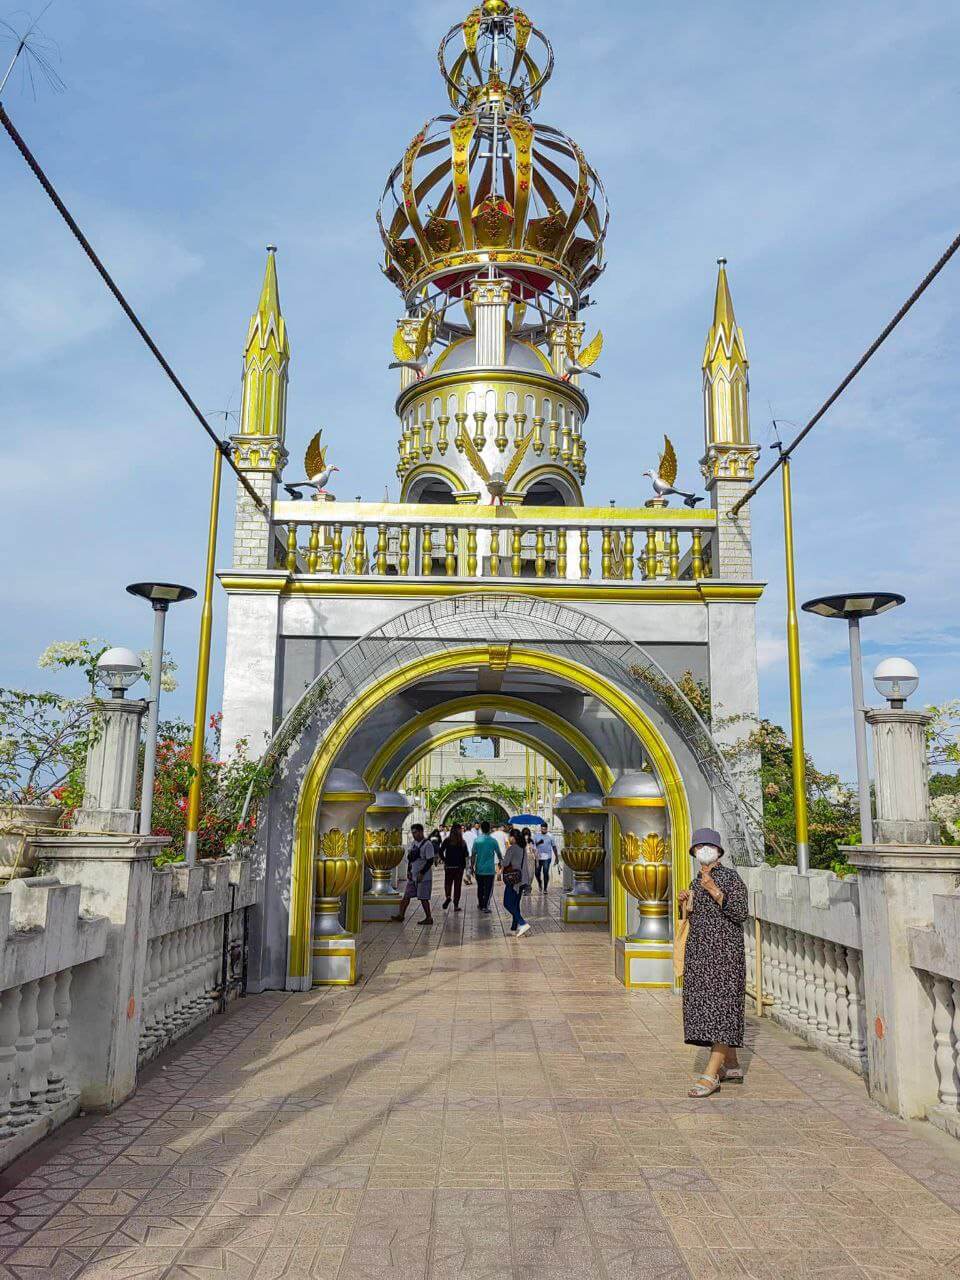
[
  {"x": 812, "y": 986},
  {"x": 35, "y": 1061},
  {"x": 414, "y": 541}
]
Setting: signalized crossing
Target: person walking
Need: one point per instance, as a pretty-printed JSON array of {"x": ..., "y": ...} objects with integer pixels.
[
  {"x": 502, "y": 839},
  {"x": 453, "y": 855},
  {"x": 714, "y": 967},
  {"x": 421, "y": 854},
  {"x": 483, "y": 859},
  {"x": 515, "y": 874},
  {"x": 546, "y": 851}
]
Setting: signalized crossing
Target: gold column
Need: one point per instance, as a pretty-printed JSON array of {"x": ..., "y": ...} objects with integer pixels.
[
  {"x": 203, "y": 669},
  {"x": 796, "y": 695}
]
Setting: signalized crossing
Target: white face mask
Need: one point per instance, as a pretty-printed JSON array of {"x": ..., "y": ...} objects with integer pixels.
[{"x": 706, "y": 853}]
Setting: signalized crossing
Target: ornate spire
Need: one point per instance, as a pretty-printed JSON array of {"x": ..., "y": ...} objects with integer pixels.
[
  {"x": 726, "y": 413},
  {"x": 266, "y": 359}
]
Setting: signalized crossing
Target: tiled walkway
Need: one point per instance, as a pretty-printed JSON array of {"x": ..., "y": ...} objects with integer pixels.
[{"x": 483, "y": 1108}]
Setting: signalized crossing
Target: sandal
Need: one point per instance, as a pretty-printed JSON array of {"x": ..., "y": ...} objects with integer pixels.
[
  {"x": 711, "y": 1084},
  {"x": 731, "y": 1075}
]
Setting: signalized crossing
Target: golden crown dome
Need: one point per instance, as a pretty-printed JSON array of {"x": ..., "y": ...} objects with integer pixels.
[{"x": 489, "y": 187}]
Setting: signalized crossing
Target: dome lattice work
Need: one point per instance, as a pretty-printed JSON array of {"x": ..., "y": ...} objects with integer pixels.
[{"x": 490, "y": 189}]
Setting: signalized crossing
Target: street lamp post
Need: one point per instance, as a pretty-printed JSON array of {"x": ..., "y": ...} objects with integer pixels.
[
  {"x": 853, "y": 607},
  {"x": 161, "y": 596}
]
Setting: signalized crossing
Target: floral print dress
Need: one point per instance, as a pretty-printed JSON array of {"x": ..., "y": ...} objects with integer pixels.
[{"x": 714, "y": 968}]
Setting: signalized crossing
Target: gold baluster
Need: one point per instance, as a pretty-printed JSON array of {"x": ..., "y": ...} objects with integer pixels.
[
  {"x": 471, "y": 551},
  {"x": 291, "y": 548},
  {"x": 382, "y": 549},
  {"x": 674, "y": 555},
  {"x": 501, "y": 438},
  {"x": 541, "y": 553},
  {"x": 554, "y": 439},
  {"x": 650, "y": 554},
  {"x": 428, "y": 437},
  {"x": 404, "y": 565},
  {"x": 495, "y": 552},
  {"x": 519, "y": 422},
  {"x": 451, "y": 550},
  {"x": 516, "y": 557},
  {"x": 561, "y": 553},
  {"x": 336, "y": 552},
  {"x": 628, "y": 555},
  {"x": 479, "y": 434},
  {"x": 538, "y": 424},
  {"x": 461, "y": 419},
  {"x": 359, "y": 549},
  {"x": 442, "y": 443},
  {"x": 313, "y": 549},
  {"x": 606, "y": 553},
  {"x": 415, "y": 442},
  {"x": 696, "y": 555},
  {"x": 566, "y": 451},
  {"x": 584, "y": 553},
  {"x": 427, "y": 549}
]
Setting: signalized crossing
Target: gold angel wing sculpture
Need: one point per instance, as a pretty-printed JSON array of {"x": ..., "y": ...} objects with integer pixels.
[
  {"x": 667, "y": 470},
  {"x": 518, "y": 456},
  {"x": 591, "y": 353},
  {"x": 473, "y": 457},
  {"x": 424, "y": 335},
  {"x": 315, "y": 459},
  {"x": 401, "y": 348}
]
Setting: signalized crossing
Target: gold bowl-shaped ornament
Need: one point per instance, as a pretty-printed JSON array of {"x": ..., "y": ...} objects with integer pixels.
[
  {"x": 334, "y": 872},
  {"x": 382, "y": 851},
  {"x": 645, "y": 874},
  {"x": 583, "y": 853}
]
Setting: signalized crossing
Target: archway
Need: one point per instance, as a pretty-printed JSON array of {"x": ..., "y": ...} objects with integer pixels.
[
  {"x": 568, "y": 665},
  {"x": 477, "y": 805}
]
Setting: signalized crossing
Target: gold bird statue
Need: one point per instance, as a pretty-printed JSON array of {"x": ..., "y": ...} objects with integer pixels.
[
  {"x": 582, "y": 362},
  {"x": 666, "y": 476}
]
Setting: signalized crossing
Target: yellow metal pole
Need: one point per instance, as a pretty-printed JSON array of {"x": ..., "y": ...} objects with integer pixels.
[
  {"x": 203, "y": 669},
  {"x": 796, "y": 698}
]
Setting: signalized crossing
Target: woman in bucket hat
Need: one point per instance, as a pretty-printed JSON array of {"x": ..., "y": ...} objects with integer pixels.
[{"x": 714, "y": 968}]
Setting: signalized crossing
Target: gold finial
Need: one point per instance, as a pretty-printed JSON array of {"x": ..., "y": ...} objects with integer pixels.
[
  {"x": 725, "y": 371},
  {"x": 495, "y": 8}
]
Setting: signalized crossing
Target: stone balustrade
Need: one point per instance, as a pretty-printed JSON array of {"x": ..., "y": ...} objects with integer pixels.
[
  {"x": 935, "y": 956},
  {"x": 44, "y": 940},
  {"x": 366, "y": 539},
  {"x": 811, "y": 964},
  {"x": 195, "y": 948}
]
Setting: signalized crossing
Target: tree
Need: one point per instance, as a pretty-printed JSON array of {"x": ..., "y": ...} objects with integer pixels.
[{"x": 832, "y": 808}]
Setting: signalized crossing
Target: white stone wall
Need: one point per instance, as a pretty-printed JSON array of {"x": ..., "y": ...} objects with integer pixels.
[{"x": 733, "y": 551}]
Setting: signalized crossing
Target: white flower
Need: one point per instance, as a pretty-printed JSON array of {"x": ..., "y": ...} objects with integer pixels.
[
  {"x": 63, "y": 652},
  {"x": 168, "y": 681}
]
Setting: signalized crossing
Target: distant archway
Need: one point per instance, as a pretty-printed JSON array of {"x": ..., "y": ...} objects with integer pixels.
[{"x": 470, "y": 791}]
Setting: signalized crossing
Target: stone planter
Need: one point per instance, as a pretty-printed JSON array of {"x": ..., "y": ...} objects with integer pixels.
[{"x": 17, "y": 823}]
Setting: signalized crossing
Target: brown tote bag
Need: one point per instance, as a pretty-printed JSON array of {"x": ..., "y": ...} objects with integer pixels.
[{"x": 680, "y": 944}]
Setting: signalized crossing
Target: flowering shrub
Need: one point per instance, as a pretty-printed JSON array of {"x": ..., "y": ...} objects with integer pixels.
[{"x": 224, "y": 785}]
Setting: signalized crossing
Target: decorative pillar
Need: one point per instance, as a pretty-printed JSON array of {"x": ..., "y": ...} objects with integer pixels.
[
  {"x": 383, "y": 852},
  {"x": 343, "y": 803},
  {"x": 110, "y": 780},
  {"x": 644, "y": 958},
  {"x": 898, "y": 883},
  {"x": 584, "y": 821}
]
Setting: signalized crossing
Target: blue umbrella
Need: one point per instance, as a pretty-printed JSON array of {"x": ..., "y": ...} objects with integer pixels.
[{"x": 525, "y": 820}]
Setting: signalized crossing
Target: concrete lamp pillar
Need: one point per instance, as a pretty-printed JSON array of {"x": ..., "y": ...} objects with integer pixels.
[
  {"x": 645, "y": 957},
  {"x": 383, "y": 852},
  {"x": 344, "y": 801},
  {"x": 110, "y": 787},
  {"x": 898, "y": 882},
  {"x": 584, "y": 821}
]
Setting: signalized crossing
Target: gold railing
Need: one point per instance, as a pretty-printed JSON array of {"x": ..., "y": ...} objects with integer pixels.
[{"x": 576, "y": 544}]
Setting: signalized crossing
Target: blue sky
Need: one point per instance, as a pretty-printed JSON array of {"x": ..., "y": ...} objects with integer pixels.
[{"x": 814, "y": 147}]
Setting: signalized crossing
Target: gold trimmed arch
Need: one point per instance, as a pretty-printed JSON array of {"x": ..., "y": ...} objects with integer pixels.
[
  {"x": 492, "y": 702},
  {"x": 549, "y": 471},
  {"x": 434, "y": 469},
  {"x": 614, "y": 698},
  {"x": 510, "y": 735}
]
